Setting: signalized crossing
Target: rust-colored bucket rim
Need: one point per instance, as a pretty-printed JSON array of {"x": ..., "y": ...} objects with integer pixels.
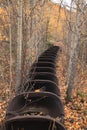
[{"x": 40, "y": 119}]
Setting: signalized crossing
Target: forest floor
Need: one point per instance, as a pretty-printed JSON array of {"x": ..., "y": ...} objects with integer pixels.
[{"x": 76, "y": 109}]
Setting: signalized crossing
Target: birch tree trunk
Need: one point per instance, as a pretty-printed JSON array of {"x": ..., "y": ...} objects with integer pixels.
[
  {"x": 19, "y": 48},
  {"x": 41, "y": 30},
  {"x": 10, "y": 40},
  {"x": 76, "y": 42}
]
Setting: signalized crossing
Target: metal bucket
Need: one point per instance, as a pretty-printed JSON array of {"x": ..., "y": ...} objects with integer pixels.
[
  {"x": 41, "y": 85},
  {"x": 42, "y": 69},
  {"x": 33, "y": 103}
]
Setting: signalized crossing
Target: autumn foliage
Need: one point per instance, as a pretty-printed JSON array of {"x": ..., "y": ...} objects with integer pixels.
[{"x": 53, "y": 29}]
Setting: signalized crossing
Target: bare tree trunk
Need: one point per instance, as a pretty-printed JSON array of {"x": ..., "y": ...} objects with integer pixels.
[
  {"x": 41, "y": 30},
  {"x": 10, "y": 39},
  {"x": 19, "y": 48},
  {"x": 76, "y": 43},
  {"x": 71, "y": 41},
  {"x": 2, "y": 75},
  {"x": 46, "y": 33}
]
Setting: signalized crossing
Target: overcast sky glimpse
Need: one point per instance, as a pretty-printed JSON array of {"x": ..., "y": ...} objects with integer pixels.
[{"x": 64, "y": 2}]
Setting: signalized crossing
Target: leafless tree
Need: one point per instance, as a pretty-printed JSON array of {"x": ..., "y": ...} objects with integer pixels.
[
  {"x": 19, "y": 48},
  {"x": 76, "y": 43}
]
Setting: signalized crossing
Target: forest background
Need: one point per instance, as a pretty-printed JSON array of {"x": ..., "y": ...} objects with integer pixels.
[{"x": 27, "y": 28}]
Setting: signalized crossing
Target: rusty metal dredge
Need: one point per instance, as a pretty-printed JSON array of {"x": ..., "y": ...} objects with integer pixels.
[{"x": 38, "y": 105}]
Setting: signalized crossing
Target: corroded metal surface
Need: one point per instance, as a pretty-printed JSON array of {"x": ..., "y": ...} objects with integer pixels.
[{"x": 38, "y": 105}]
